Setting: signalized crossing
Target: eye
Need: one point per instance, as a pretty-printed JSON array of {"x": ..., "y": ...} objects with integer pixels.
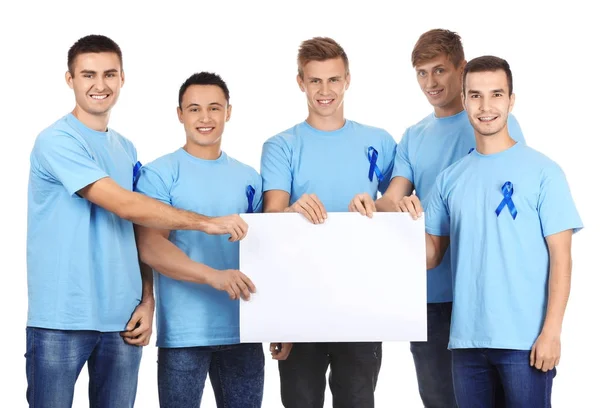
[
  {"x": 110, "y": 75},
  {"x": 475, "y": 96},
  {"x": 421, "y": 73},
  {"x": 214, "y": 108},
  {"x": 498, "y": 95},
  {"x": 87, "y": 75},
  {"x": 194, "y": 110},
  {"x": 314, "y": 81},
  {"x": 439, "y": 71},
  {"x": 334, "y": 80}
]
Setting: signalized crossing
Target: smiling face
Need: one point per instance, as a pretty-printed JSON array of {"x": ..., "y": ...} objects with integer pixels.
[
  {"x": 96, "y": 79},
  {"x": 204, "y": 111},
  {"x": 440, "y": 81},
  {"x": 324, "y": 83},
  {"x": 488, "y": 101}
]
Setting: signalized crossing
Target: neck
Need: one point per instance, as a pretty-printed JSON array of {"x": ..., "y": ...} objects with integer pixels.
[
  {"x": 327, "y": 123},
  {"x": 211, "y": 152},
  {"x": 451, "y": 109},
  {"x": 96, "y": 122},
  {"x": 494, "y": 143}
]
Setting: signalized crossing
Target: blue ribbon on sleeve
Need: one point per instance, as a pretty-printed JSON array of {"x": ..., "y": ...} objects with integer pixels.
[
  {"x": 507, "y": 192},
  {"x": 470, "y": 150},
  {"x": 136, "y": 171},
  {"x": 372, "y": 155},
  {"x": 250, "y": 196}
]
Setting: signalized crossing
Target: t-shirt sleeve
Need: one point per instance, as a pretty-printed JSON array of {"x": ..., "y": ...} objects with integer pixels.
[
  {"x": 387, "y": 165},
  {"x": 556, "y": 207},
  {"x": 402, "y": 165},
  {"x": 153, "y": 184},
  {"x": 437, "y": 217},
  {"x": 60, "y": 157},
  {"x": 276, "y": 165},
  {"x": 514, "y": 129}
]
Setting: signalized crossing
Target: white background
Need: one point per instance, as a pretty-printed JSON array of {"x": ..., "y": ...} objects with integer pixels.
[{"x": 253, "y": 45}]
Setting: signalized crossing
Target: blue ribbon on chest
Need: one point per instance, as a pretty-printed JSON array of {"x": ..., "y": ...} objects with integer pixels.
[
  {"x": 250, "y": 196},
  {"x": 372, "y": 154},
  {"x": 507, "y": 192}
]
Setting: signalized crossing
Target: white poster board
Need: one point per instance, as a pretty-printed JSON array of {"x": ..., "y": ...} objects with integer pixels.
[{"x": 352, "y": 278}]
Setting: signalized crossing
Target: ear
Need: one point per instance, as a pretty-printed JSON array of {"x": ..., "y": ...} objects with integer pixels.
[
  {"x": 348, "y": 77},
  {"x": 69, "y": 79},
  {"x": 180, "y": 114},
  {"x": 512, "y": 102},
  {"x": 464, "y": 101},
  {"x": 122, "y": 78},
  {"x": 300, "y": 83},
  {"x": 228, "y": 113}
]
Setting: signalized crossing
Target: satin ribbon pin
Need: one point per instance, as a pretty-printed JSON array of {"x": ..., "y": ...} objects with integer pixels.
[
  {"x": 372, "y": 156},
  {"x": 507, "y": 192},
  {"x": 250, "y": 196}
]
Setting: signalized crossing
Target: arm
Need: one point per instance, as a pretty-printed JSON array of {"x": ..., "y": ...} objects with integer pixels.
[
  {"x": 146, "y": 211},
  {"x": 399, "y": 187},
  {"x": 436, "y": 247},
  {"x": 163, "y": 256},
  {"x": 545, "y": 353},
  {"x": 139, "y": 327}
]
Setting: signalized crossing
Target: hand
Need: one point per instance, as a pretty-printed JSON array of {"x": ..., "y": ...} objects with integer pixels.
[
  {"x": 311, "y": 207},
  {"x": 411, "y": 204},
  {"x": 280, "y": 351},
  {"x": 545, "y": 353},
  {"x": 139, "y": 327},
  {"x": 232, "y": 281},
  {"x": 233, "y": 225},
  {"x": 363, "y": 203}
]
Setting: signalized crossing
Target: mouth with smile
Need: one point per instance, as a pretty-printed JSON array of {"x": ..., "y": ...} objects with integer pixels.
[
  {"x": 325, "y": 102},
  {"x": 205, "y": 130},
  {"x": 487, "y": 119},
  {"x": 434, "y": 92},
  {"x": 99, "y": 97}
]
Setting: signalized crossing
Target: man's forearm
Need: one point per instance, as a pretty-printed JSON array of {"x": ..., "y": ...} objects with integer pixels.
[
  {"x": 151, "y": 213},
  {"x": 147, "y": 283},
  {"x": 166, "y": 258},
  {"x": 559, "y": 288}
]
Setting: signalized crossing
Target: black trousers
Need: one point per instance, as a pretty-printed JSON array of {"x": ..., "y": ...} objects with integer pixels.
[{"x": 352, "y": 379}]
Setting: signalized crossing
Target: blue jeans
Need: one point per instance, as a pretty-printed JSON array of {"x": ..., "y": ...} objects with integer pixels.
[
  {"x": 433, "y": 360},
  {"x": 236, "y": 374},
  {"x": 476, "y": 372},
  {"x": 54, "y": 359},
  {"x": 352, "y": 379}
]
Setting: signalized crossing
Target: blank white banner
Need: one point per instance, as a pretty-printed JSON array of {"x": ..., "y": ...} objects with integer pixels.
[{"x": 350, "y": 279}]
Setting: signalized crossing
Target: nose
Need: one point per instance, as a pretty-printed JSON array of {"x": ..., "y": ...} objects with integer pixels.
[
  {"x": 324, "y": 89},
  {"x": 431, "y": 82},
  {"x": 99, "y": 83},
  {"x": 484, "y": 104}
]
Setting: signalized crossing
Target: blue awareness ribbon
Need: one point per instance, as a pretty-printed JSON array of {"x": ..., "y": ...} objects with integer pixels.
[
  {"x": 507, "y": 192},
  {"x": 136, "y": 171},
  {"x": 470, "y": 150},
  {"x": 250, "y": 195},
  {"x": 372, "y": 155}
]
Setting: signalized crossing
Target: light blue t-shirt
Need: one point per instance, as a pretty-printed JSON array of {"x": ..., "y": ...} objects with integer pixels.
[
  {"x": 334, "y": 165},
  {"x": 500, "y": 263},
  {"x": 191, "y": 314},
  {"x": 82, "y": 262},
  {"x": 424, "y": 151}
]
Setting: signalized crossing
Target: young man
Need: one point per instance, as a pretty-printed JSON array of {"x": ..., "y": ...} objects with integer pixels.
[
  {"x": 326, "y": 163},
  {"x": 510, "y": 216},
  {"x": 197, "y": 322},
  {"x": 427, "y": 148},
  {"x": 83, "y": 273}
]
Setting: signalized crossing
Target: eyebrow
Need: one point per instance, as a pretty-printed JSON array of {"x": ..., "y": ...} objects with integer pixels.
[
  {"x": 333, "y": 77},
  {"x": 89, "y": 71},
  {"x": 210, "y": 104}
]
